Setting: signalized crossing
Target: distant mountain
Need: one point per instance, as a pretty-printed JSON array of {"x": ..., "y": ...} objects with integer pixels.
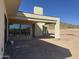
[{"x": 67, "y": 25}]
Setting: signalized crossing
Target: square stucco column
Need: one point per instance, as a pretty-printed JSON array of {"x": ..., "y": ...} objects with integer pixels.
[
  {"x": 39, "y": 29},
  {"x": 2, "y": 27},
  {"x": 57, "y": 29},
  {"x": 31, "y": 33}
]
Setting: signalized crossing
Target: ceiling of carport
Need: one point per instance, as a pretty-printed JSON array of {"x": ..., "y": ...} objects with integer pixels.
[{"x": 12, "y": 7}]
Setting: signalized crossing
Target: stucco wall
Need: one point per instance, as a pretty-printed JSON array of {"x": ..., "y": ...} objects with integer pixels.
[
  {"x": 39, "y": 29},
  {"x": 2, "y": 11},
  {"x": 38, "y": 10}
]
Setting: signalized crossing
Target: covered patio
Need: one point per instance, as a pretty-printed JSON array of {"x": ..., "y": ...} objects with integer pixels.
[{"x": 38, "y": 23}]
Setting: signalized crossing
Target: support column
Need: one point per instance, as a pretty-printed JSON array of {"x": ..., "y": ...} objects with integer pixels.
[
  {"x": 2, "y": 27},
  {"x": 33, "y": 30},
  {"x": 39, "y": 29},
  {"x": 31, "y": 33},
  {"x": 57, "y": 29}
]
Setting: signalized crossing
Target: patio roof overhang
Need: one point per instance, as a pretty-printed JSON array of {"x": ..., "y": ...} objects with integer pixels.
[
  {"x": 12, "y": 7},
  {"x": 33, "y": 18}
]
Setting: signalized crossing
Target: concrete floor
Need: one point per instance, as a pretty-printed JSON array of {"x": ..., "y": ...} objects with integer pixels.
[{"x": 65, "y": 48}]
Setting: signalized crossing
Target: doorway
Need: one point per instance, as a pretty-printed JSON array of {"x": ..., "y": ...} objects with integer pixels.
[{"x": 5, "y": 30}]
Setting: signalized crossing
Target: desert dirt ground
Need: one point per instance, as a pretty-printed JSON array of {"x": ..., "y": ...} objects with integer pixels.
[{"x": 67, "y": 47}]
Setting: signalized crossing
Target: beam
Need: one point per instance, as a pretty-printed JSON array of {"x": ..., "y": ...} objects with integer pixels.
[{"x": 17, "y": 21}]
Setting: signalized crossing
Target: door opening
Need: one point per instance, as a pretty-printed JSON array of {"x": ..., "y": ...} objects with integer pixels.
[{"x": 5, "y": 33}]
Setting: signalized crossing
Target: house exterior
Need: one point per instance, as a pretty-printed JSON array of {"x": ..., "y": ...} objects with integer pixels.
[{"x": 9, "y": 14}]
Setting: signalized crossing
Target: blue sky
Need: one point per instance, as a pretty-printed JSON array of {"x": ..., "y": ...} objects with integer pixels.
[{"x": 67, "y": 10}]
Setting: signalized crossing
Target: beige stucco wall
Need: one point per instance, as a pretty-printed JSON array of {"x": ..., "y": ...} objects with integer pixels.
[
  {"x": 38, "y": 10},
  {"x": 2, "y": 11},
  {"x": 51, "y": 28},
  {"x": 39, "y": 29}
]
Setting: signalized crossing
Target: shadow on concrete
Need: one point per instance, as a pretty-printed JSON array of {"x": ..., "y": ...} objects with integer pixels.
[{"x": 38, "y": 49}]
